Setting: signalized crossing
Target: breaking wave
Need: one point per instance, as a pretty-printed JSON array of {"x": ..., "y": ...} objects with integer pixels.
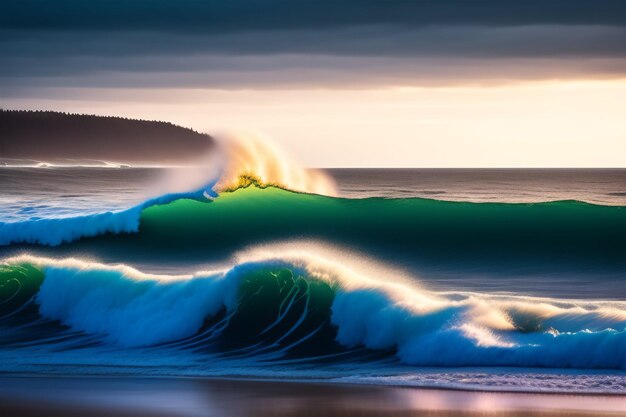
[
  {"x": 300, "y": 307},
  {"x": 243, "y": 160}
]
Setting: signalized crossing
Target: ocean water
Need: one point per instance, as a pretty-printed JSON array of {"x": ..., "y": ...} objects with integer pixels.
[
  {"x": 31, "y": 192},
  {"x": 506, "y": 280},
  {"x": 597, "y": 186}
]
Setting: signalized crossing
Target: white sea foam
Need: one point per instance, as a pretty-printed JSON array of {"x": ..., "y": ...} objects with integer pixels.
[{"x": 55, "y": 231}]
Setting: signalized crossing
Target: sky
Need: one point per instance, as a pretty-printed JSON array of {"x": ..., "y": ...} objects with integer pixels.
[{"x": 367, "y": 83}]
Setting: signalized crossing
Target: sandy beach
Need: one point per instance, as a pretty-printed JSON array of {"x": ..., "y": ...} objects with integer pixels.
[{"x": 128, "y": 396}]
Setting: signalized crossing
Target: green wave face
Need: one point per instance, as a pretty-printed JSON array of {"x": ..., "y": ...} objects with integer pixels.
[
  {"x": 424, "y": 236},
  {"x": 566, "y": 232},
  {"x": 18, "y": 284},
  {"x": 280, "y": 308}
]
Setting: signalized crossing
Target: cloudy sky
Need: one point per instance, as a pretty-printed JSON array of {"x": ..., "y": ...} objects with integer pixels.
[{"x": 340, "y": 83}]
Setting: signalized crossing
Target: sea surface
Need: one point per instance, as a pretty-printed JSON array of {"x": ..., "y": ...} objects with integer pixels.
[
  {"x": 31, "y": 192},
  {"x": 494, "y": 279}
]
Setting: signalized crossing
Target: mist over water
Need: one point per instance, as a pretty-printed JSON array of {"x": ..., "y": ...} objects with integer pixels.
[{"x": 248, "y": 157}]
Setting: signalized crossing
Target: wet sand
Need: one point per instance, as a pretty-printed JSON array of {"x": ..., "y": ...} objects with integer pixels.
[{"x": 27, "y": 396}]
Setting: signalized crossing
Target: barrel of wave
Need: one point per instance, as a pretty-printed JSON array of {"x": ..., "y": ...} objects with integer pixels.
[{"x": 252, "y": 158}]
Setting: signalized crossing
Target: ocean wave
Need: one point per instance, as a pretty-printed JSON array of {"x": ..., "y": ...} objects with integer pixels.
[
  {"x": 572, "y": 235},
  {"x": 297, "y": 306}
]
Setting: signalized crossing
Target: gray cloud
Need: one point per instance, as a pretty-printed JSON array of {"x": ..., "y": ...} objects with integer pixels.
[
  {"x": 304, "y": 72},
  {"x": 260, "y": 44},
  {"x": 464, "y": 41},
  {"x": 427, "y": 56}
]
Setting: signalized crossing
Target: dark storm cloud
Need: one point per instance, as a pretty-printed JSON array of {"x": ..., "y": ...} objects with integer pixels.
[
  {"x": 463, "y": 41},
  {"x": 236, "y": 15},
  {"x": 252, "y": 43}
]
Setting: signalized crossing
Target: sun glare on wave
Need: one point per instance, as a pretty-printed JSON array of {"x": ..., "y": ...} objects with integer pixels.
[{"x": 253, "y": 159}]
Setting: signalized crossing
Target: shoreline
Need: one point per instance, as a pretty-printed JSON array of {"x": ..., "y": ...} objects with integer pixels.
[
  {"x": 364, "y": 382},
  {"x": 38, "y": 395}
]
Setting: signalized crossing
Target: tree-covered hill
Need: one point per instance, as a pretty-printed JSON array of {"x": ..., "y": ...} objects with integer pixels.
[{"x": 49, "y": 136}]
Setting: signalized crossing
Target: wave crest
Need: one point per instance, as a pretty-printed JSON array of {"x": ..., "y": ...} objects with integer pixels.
[{"x": 252, "y": 159}]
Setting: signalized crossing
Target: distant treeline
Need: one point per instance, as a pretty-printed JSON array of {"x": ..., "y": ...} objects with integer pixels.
[{"x": 49, "y": 135}]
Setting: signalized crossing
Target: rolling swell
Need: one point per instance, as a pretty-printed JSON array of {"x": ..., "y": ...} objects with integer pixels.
[
  {"x": 564, "y": 237},
  {"x": 278, "y": 309},
  {"x": 182, "y": 224},
  {"x": 564, "y": 249}
]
